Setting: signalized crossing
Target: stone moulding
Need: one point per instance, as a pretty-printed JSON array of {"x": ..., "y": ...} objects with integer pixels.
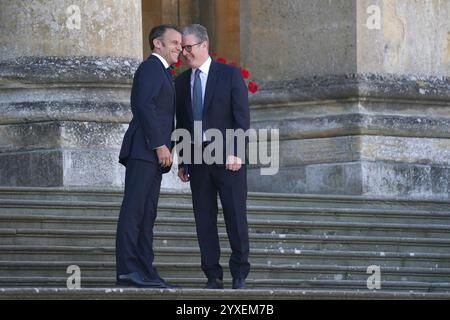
[
  {"x": 43, "y": 111},
  {"x": 34, "y": 89},
  {"x": 68, "y": 70},
  {"x": 346, "y": 86}
]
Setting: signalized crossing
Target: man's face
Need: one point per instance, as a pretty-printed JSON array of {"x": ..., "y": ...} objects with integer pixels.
[
  {"x": 195, "y": 52},
  {"x": 170, "y": 46}
]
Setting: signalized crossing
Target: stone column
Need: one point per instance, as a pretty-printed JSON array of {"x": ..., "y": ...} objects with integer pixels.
[
  {"x": 65, "y": 74},
  {"x": 360, "y": 91}
]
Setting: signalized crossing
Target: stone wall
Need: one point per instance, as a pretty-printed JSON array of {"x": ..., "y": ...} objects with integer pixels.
[
  {"x": 363, "y": 106},
  {"x": 65, "y": 74},
  {"x": 359, "y": 90}
]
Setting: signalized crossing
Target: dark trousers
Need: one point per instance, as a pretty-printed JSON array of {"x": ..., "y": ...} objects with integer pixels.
[
  {"x": 206, "y": 182},
  {"x": 134, "y": 239}
]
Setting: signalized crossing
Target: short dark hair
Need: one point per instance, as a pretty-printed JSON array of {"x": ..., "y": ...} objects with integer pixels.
[{"x": 158, "y": 31}]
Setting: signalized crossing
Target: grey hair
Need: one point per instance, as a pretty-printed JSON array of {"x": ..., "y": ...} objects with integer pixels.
[{"x": 197, "y": 30}]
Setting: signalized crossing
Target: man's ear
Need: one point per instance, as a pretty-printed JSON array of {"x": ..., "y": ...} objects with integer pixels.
[{"x": 157, "y": 43}]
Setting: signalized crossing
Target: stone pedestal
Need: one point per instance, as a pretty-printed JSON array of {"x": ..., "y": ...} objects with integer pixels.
[
  {"x": 360, "y": 93},
  {"x": 65, "y": 77}
]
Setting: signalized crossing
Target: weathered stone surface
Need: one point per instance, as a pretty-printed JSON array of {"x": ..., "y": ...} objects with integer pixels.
[
  {"x": 358, "y": 124},
  {"x": 101, "y": 168},
  {"x": 307, "y": 151},
  {"x": 34, "y": 169},
  {"x": 337, "y": 178},
  {"x": 69, "y": 69},
  {"x": 440, "y": 181},
  {"x": 93, "y": 167},
  {"x": 287, "y": 180},
  {"x": 94, "y": 135},
  {"x": 366, "y": 148},
  {"x": 406, "y": 180},
  {"x": 65, "y": 90},
  {"x": 170, "y": 180},
  {"x": 375, "y": 179},
  {"x": 342, "y": 178},
  {"x": 65, "y": 111},
  {"x": 29, "y": 136},
  {"x": 65, "y": 27},
  {"x": 405, "y": 150},
  {"x": 359, "y": 111},
  {"x": 352, "y": 85},
  {"x": 325, "y": 137},
  {"x": 87, "y": 155},
  {"x": 53, "y": 135},
  {"x": 288, "y": 39},
  {"x": 411, "y": 38}
]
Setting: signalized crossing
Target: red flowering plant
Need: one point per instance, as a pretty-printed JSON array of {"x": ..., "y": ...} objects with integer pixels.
[{"x": 180, "y": 67}]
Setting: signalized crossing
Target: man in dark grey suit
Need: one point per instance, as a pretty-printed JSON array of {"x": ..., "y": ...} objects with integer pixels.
[
  {"x": 146, "y": 153},
  {"x": 215, "y": 95}
]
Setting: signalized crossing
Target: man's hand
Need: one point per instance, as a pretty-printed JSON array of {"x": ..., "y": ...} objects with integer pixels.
[
  {"x": 164, "y": 156},
  {"x": 182, "y": 175},
  {"x": 233, "y": 163}
]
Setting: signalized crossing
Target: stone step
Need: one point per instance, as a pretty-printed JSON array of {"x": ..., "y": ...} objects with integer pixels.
[
  {"x": 255, "y": 284},
  {"x": 274, "y": 212},
  {"x": 74, "y": 194},
  {"x": 99, "y": 238},
  {"x": 176, "y": 224},
  {"x": 111, "y": 293},
  {"x": 262, "y": 256},
  {"x": 89, "y": 269},
  {"x": 320, "y": 244},
  {"x": 254, "y": 198}
]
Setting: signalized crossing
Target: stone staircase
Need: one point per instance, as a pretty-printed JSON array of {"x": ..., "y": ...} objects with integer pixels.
[{"x": 302, "y": 246}]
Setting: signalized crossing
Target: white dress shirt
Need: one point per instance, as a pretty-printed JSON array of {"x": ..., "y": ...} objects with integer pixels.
[
  {"x": 204, "y": 70},
  {"x": 164, "y": 62}
]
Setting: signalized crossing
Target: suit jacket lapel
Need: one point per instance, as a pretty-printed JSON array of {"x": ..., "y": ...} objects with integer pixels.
[
  {"x": 168, "y": 76},
  {"x": 210, "y": 85}
]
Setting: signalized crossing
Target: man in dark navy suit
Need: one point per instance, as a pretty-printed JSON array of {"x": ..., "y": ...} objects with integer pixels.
[
  {"x": 146, "y": 153},
  {"x": 214, "y": 95}
]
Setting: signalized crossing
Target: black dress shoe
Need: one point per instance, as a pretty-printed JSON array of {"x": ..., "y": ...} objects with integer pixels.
[
  {"x": 136, "y": 280},
  {"x": 165, "y": 283},
  {"x": 214, "y": 284},
  {"x": 154, "y": 276},
  {"x": 238, "y": 283}
]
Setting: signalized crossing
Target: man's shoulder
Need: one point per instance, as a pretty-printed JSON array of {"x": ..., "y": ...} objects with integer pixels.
[
  {"x": 223, "y": 67},
  {"x": 150, "y": 64}
]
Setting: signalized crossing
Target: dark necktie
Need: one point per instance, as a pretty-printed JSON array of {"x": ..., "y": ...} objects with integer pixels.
[{"x": 197, "y": 101}]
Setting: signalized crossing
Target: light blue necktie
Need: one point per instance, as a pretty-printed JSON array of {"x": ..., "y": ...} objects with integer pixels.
[{"x": 197, "y": 100}]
